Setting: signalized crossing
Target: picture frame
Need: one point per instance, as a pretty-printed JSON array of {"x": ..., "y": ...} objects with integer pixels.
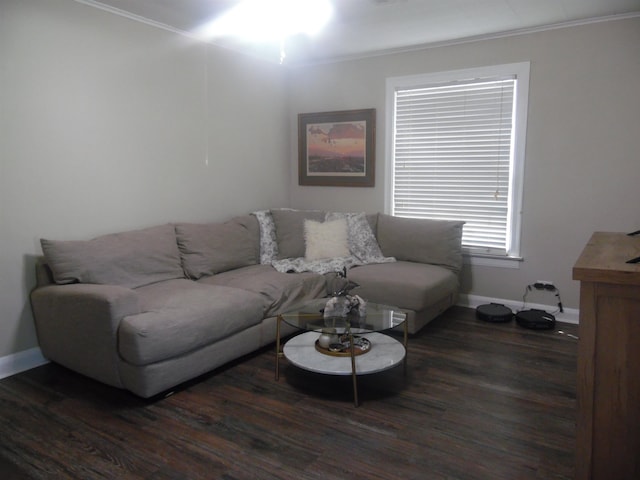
[{"x": 337, "y": 149}]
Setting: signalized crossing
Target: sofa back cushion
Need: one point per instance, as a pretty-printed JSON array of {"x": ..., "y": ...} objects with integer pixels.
[
  {"x": 129, "y": 259},
  {"x": 437, "y": 242},
  {"x": 207, "y": 249},
  {"x": 290, "y": 230}
]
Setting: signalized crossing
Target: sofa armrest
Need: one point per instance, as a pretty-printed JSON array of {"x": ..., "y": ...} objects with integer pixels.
[{"x": 77, "y": 326}]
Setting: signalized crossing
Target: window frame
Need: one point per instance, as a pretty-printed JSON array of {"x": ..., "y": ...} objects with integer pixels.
[{"x": 521, "y": 71}]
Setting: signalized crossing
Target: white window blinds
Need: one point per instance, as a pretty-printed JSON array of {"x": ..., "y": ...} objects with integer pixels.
[{"x": 453, "y": 150}]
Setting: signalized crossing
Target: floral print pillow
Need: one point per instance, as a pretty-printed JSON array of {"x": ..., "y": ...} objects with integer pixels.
[
  {"x": 268, "y": 240},
  {"x": 362, "y": 242}
]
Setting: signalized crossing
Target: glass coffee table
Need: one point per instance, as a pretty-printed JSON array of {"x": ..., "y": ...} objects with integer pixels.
[{"x": 352, "y": 345}]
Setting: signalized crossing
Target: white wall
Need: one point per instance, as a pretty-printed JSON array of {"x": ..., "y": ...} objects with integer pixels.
[
  {"x": 104, "y": 126},
  {"x": 108, "y": 124},
  {"x": 582, "y": 170}
]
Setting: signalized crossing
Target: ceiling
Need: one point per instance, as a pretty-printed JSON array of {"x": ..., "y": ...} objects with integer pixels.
[{"x": 370, "y": 27}]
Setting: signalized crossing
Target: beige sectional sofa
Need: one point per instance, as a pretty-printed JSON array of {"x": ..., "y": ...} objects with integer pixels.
[{"x": 149, "y": 309}]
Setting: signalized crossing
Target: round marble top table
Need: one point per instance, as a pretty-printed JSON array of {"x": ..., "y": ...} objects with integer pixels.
[{"x": 386, "y": 352}]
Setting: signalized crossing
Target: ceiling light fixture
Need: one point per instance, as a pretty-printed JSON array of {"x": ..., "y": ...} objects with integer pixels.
[{"x": 270, "y": 21}]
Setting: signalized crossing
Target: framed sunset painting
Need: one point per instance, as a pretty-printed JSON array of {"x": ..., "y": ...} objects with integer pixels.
[{"x": 337, "y": 148}]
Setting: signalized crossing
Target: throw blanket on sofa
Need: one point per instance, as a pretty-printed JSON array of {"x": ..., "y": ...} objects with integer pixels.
[
  {"x": 326, "y": 265},
  {"x": 363, "y": 246}
]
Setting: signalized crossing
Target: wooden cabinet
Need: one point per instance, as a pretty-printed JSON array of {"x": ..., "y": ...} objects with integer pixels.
[{"x": 608, "y": 386}]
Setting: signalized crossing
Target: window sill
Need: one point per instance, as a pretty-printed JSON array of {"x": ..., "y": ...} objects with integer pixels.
[{"x": 492, "y": 260}]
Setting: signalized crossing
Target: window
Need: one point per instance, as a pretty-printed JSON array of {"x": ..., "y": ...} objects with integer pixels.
[{"x": 457, "y": 152}]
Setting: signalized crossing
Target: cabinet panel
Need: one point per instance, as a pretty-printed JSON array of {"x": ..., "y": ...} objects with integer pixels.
[
  {"x": 608, "y": 417},
  {"x": 616, "y": 399}
]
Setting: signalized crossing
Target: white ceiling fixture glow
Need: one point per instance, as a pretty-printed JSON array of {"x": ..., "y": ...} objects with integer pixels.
[{"x": 270, "y": 21}]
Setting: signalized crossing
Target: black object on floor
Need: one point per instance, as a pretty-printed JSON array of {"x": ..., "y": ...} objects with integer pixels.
[
  {"x": 494, "y": 312},
  {"x": 535, "y": 319}
]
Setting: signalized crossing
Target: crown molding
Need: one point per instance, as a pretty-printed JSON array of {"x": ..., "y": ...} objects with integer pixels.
[
  {"x": 169, "y": 28},
  {"x": 137, "y": 18},
  {"x": 377, "y": 53},
  {"x": 472, "y": 39}
]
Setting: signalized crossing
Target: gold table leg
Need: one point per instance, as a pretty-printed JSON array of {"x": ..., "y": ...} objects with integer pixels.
[
  {"x": 353, "y": 370},
  {"x": 278, "y": 348},
  {"x": 405, "y": 343}
]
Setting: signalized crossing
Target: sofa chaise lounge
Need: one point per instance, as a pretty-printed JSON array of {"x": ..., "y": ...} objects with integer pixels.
[{"x": 146, "y": 310}]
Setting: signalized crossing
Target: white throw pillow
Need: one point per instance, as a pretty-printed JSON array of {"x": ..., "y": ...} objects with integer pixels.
[{"x": 326, "y": 239}]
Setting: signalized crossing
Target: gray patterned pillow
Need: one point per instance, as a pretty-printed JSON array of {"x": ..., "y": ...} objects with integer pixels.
[
  {"x": 362, "y": 242},
  {"x": 268, "y": 240}
]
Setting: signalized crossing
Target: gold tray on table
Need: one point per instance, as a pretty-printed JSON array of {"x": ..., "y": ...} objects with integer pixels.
[{"x": 361, "y": 346}]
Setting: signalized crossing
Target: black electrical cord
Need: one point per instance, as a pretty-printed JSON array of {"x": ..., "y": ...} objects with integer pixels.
[{"x": 548, "y": 287}]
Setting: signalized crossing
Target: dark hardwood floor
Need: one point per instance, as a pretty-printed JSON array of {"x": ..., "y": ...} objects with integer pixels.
[{"x": 480, "y": 401}]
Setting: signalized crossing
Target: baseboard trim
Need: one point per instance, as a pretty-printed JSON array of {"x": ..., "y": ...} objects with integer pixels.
[
  {"x": 570, "y": 315},
  {"x": 21, "y": 361}
]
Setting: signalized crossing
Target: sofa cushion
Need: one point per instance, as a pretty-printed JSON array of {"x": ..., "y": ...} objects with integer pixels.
[
  {"x": 280, "y": 291},
  {"x": 409, "y": 285},
  {"x": 180, "y": 316},
  {"x": 207, "y": 249},
  {"x": 438, "y": 242},
  {"x": 290, "y": 230},
  {"x": 326, "y": 239},
  {"x": 128, "y": 259}
]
